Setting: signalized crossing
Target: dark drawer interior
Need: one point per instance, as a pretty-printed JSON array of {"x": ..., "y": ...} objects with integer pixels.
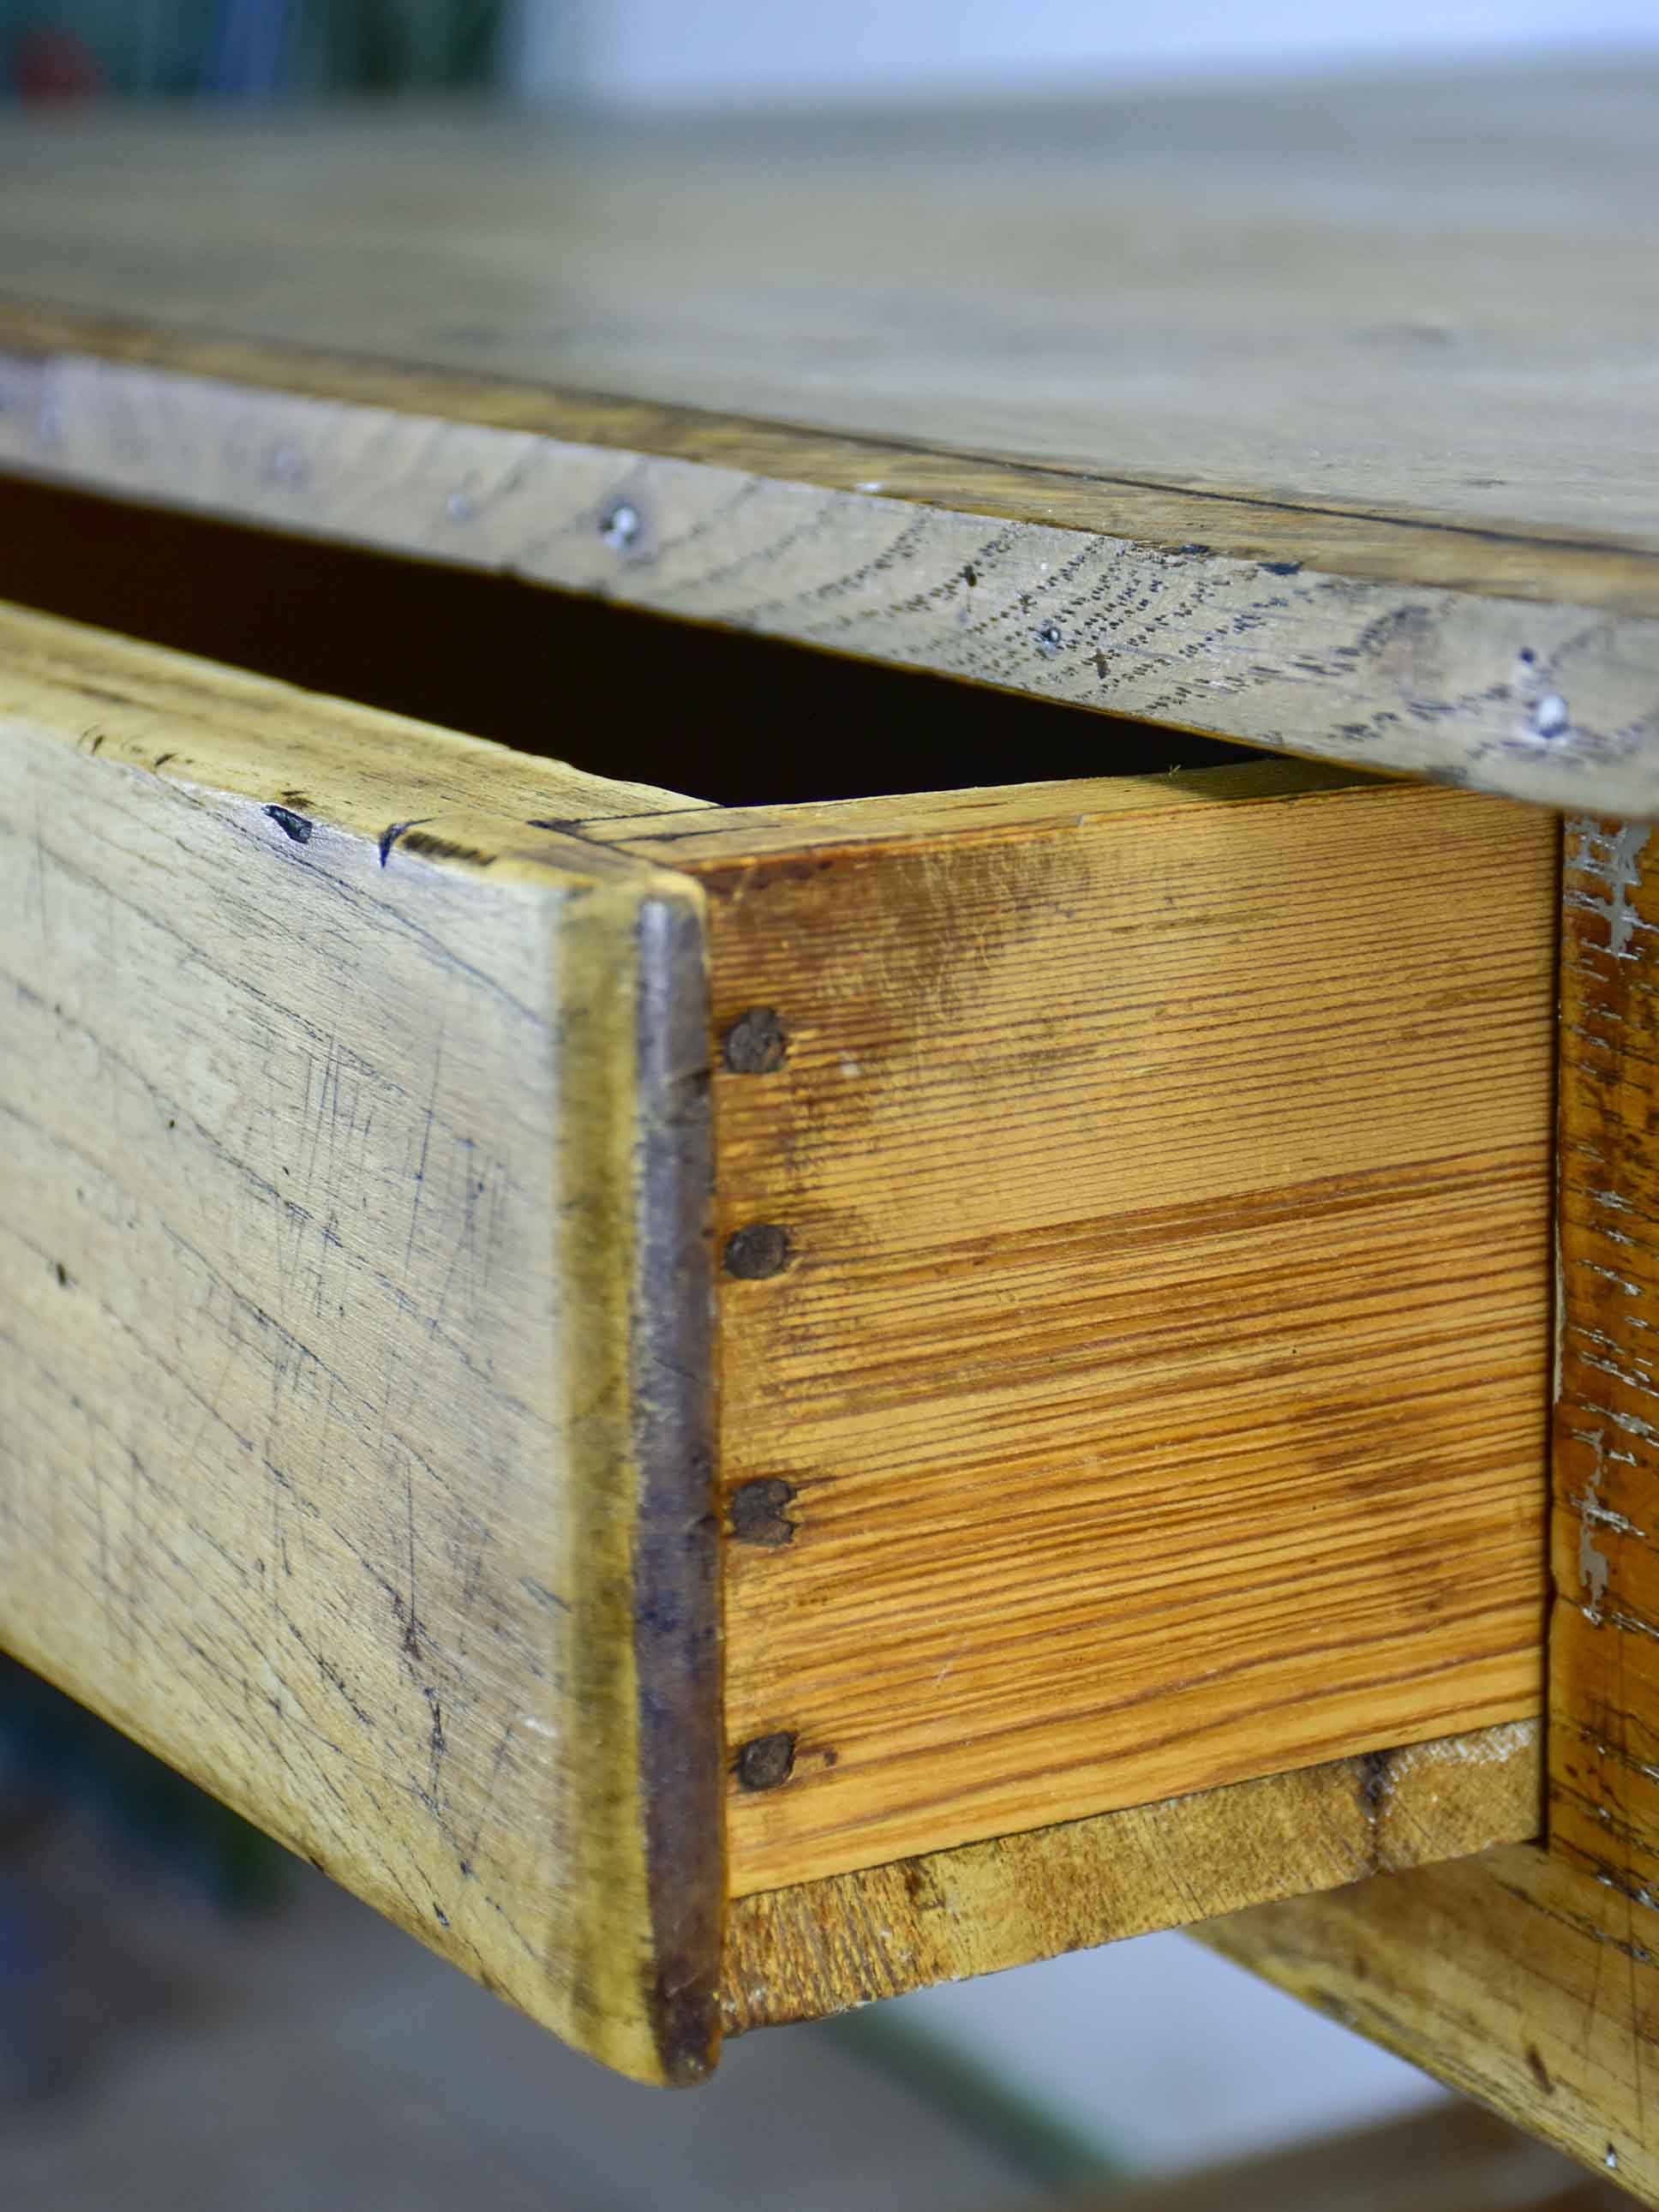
[{"x": 732, "y": 717}]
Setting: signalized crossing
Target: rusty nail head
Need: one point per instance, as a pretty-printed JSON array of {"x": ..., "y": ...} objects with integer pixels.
[
  {"x": 755, "y": 1043},
  {"x": 759, "y": 1250},
  {"x": 766, "y": 1761},
  {"x": 756, "y": 1508}
]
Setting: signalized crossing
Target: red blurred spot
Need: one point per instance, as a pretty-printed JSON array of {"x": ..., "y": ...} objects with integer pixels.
[{"x": 55, "y": 65}]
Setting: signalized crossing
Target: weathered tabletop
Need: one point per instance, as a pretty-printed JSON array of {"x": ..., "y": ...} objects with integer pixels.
[{"x": 1325, "y": 418}]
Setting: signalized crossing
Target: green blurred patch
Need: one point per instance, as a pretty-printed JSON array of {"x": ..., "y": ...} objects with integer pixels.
[{"x": 245, "y": 49}]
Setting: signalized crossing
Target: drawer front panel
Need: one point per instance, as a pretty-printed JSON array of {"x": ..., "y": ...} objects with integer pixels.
[{"x": 351, "y": 1312}]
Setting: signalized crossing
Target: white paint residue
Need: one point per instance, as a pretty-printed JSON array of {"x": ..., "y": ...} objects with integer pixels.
[
  {"x": 1630, "y": 1288},
  {"x": 1594, "y": 1564},
  {"x": 1549, "y": 718},
  {"x": 1604, "y": 1517},
  {"x": 1610, "y": 860},
  {"x": 1632, "y": 1423},
  {"x": 1492, "y": 1746},
  {"x": 1611, "y": 1199}
]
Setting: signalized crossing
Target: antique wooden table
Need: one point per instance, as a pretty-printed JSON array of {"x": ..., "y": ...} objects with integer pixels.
[{"x": 728, "y": 1392}]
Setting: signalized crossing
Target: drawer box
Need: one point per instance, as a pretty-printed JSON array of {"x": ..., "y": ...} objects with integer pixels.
[{"x": 725, "y": 1409}]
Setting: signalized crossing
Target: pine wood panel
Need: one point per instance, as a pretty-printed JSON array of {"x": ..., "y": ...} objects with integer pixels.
[
  {"x": 818, "y": 1948},
  {"x": 1604, "y": 1682},
  {"x": 1134, "y": 1301},
  {"x": 1519, "y": 1980},
  {"x": 352, "y": 1296},
  {"x": 1235, "y": 413}
]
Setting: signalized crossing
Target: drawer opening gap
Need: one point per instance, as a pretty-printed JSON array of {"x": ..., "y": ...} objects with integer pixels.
[{"x": 729, "y": 716}]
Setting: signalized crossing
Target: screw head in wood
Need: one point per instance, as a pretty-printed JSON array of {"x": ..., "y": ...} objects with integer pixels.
[
  {"x": 765, "y": 1762},
  {"x": 755, "y": 1043},
  {"x": 753, "y": 1253}
]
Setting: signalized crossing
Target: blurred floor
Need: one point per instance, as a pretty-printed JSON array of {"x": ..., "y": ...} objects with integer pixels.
[
  {"x": 313, "y": 2058},
  {"x": 160, "y": 2054}
]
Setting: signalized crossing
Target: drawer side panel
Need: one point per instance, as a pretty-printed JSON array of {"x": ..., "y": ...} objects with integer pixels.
[{"x": 1152, "y": 1393}]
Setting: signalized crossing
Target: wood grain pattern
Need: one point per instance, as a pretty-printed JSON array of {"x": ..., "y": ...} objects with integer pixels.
[
  {"x": 352, "y": 1311},
  {"x": 1604, "y": 1680},
  {"x": 1157, "y": 1380},
  {"x": 1511, "y": 1976},
  {"x": 1236, "y": 414},
  {"x": 800, "y": 1953}
]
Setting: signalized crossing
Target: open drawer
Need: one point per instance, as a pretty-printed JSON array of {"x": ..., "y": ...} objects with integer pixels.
[{"x": 726, "y": 1409}]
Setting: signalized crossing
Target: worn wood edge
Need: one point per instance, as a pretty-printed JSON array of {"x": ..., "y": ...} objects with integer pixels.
[
  {"x": 1604, "y": 1722},
  {"x": 650, "y": 1845},
  {"x": 1529, "y": 697},
  {"x": 1509, "y": 1977},
  {"x": 820, "y": 1946},
  {"x": 676, "y": 1575},
  {"x": 1406, "y": 546},
  {"x": 176, "y": 716},
  {"x": 714, "y": 838}
]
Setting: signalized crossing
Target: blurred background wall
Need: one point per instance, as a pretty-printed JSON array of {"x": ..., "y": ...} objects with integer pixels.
[
  {"x": 645, "y": 53},
  {"x": 652, "y": 52}
]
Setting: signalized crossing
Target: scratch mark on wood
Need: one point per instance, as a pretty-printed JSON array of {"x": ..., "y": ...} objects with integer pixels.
[
  {"x": 389, "y": 836},
  {"x": 291, "y": 825}
]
